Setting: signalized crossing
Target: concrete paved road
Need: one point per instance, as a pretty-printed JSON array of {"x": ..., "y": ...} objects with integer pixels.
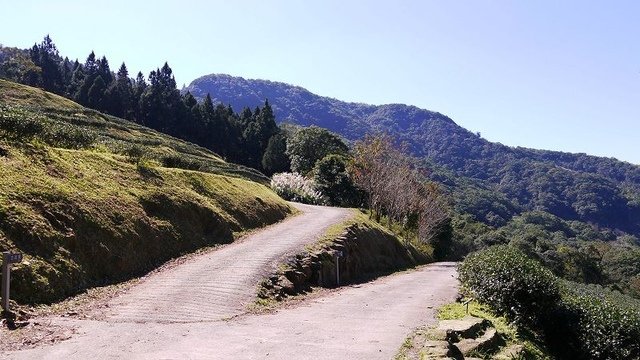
[
  {"x": 180, "y": 312},
  {"x": 222, "y": 283}
]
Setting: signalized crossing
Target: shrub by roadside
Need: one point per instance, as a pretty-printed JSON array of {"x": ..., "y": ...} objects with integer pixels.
[
  {"x": 295, "y": 187},
  {"x": 511, "y": 283},
  {"x": 591, "y": 322},
  {"x": 577, "y": 321}
]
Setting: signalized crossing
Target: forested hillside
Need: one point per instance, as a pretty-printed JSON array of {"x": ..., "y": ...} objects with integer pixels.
[
  {"x": 155, "y": 102},
  {"x": 577, "y": 214},
  {"x": 494, "y": 182}
]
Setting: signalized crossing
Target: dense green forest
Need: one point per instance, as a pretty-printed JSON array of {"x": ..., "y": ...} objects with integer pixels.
[
  {"x": 154, "y": 102},
  {"x": 578, "y": 214}
]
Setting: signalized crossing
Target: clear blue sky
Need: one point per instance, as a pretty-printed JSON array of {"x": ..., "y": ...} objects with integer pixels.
[{"x": 562, "y": 75}]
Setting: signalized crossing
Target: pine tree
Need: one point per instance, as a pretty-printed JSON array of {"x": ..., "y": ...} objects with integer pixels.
[
  {"x": 162, "y": 107},
  {"x": 257, "y": 134},
  {"x": 47, "y": 58},
  {"x": 246, "y": 116},
  {"x": 216, "y": 131},
  {"x": 123, "y": 94},
  {"x": 139, "y": 87},
  {"x": 91, "y": 65},
  {"x": 104, "y": 71},
  {"x": 90, "y": 71},
  {"x": 275, "y": 159},
  {"x": 207, "y": 107},
  {"x": 267, "y": 123},
  {"x": 77, "y": 79},
  {"x": 66, "y": 71},
  {"x": 191, "y": 125},
  {"x": 96, "y": 94}
]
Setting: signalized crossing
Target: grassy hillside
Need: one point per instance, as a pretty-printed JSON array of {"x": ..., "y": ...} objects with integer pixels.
[{"x": 92, "y": 199}]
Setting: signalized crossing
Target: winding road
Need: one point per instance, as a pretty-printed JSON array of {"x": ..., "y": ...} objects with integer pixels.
[{"x": 197, "y": 310}]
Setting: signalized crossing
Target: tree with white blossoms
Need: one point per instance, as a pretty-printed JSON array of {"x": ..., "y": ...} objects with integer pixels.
[{"x": 295, "y": 187}]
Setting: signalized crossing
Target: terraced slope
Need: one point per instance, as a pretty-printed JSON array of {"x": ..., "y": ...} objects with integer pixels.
[{"x": 92, "y": 199}]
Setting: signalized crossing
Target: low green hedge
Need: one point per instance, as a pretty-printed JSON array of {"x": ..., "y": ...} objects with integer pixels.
[
  {"x": 18, "y": 124},
  {"x": 594, "y": 323},
  {"x": 578, "y": 321},
  {"x": 511, "y": 283}
]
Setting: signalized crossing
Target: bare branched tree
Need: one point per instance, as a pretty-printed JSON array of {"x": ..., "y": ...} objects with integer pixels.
[{"x": 397, "y": 189}]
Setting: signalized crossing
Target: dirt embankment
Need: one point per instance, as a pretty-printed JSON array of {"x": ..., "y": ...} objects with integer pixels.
[
  {"x": 361, "y": 251},
  {"x": 84, "y": 218}
]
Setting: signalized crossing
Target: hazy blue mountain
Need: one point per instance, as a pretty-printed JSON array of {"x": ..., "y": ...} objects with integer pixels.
[{"x": 499, "y": 181}]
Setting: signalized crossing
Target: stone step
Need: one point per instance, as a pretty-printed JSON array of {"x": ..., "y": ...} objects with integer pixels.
[
  {"x": 435, "y": 349},
  {"x": 488, "y": 342},
  {"x": 510, "y": 352},
  {"x": 465, "y": 328},
  {"x": 440, "y": 349}
]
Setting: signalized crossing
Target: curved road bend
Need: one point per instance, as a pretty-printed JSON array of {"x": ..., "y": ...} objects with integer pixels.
[{"x": 179, "y": 313}]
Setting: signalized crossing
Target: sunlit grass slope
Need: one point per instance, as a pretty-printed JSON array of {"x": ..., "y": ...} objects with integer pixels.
[{"x": 91, "y": 199}]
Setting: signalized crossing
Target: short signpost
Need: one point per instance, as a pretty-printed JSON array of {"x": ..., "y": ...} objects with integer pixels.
[
  {"x": 8, "y": 258},
  {"x": 338, "y": 255}
]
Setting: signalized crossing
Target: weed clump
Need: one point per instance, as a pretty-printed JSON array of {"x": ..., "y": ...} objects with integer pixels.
[{"x": 294, "y": 187}]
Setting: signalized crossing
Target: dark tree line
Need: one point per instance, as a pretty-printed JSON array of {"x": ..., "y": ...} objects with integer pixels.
[{"x": 156, "y": 103}]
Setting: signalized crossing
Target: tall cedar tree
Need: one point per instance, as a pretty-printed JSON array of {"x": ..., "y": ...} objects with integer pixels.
[
  {"x": 275, "y": 159},
  {"x": 242, "y": 138},
  {"x": 47, "y": 58}
]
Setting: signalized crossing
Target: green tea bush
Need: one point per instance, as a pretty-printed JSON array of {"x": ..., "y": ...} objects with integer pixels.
[
  {"x": 591, "y": 322},
  {"x": 135, "y": 153},
  {"x": 17, "y": 124},
  {"x": 68, "y": 136},
  {"x": 181, "y": 162},
  {"x": 21, "y": 125},
  {"x": 578, "y": 321},
  {"x": 511, "y": 283}
]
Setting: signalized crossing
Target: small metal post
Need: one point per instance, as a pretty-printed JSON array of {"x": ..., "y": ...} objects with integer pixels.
[
  {"x": 6, "y": 276},
  {"x": 338, "y": 255},
  {"x": 8, "y": 258},
  {"x": 466, "y": 304}
]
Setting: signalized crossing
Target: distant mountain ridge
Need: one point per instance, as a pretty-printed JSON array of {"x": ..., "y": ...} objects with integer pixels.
[
  {"x": 603, "y": 191},
  {"x": 298, "y": 105}
]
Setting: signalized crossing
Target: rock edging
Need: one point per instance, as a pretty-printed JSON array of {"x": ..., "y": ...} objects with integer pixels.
[{"x": 366, "y": 250}]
